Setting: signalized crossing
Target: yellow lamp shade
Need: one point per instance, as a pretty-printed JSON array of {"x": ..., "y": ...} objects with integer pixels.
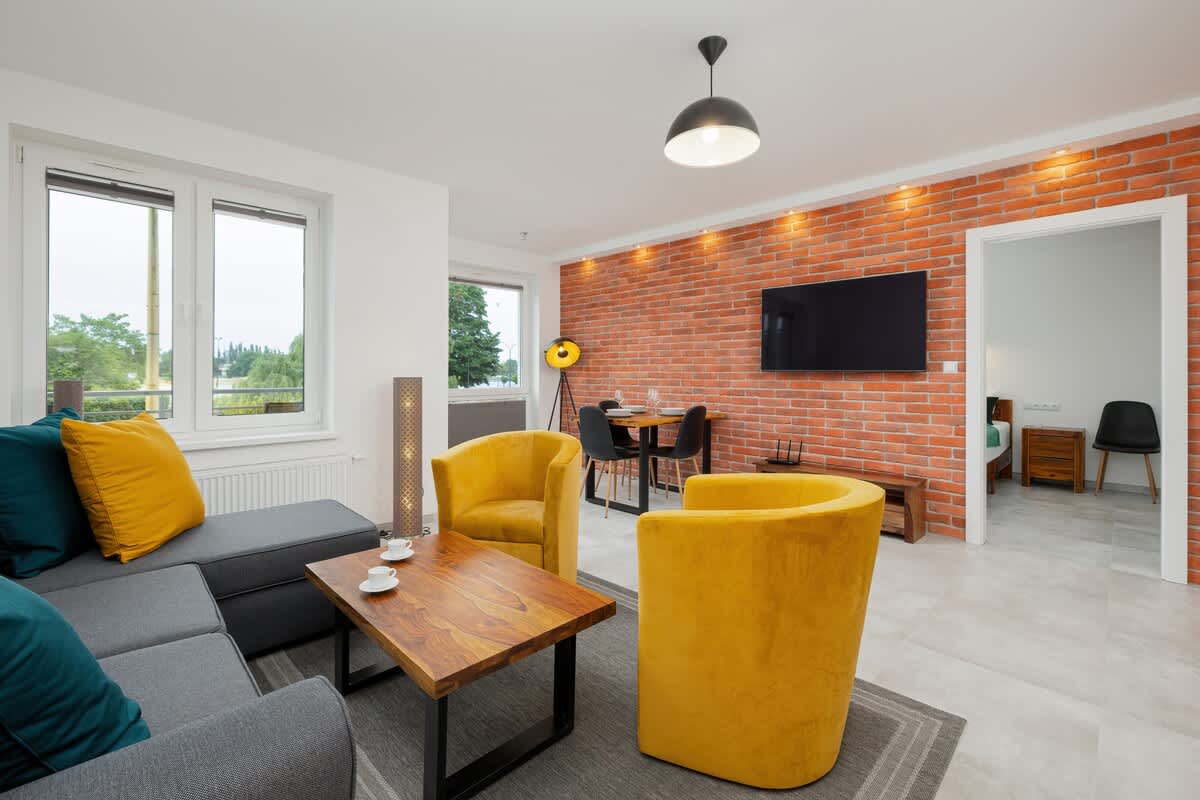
[{"x": 562, "y": 353}]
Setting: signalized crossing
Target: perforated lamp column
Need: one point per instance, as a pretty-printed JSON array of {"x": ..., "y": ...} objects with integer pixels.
[{"x": 406, "y": 457}]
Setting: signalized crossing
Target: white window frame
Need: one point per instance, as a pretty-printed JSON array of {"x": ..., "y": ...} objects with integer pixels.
[
  {"x": 523, "y": 389},
  {"x": 191, "y": 421},
  {"x": 310, "y": 417}
]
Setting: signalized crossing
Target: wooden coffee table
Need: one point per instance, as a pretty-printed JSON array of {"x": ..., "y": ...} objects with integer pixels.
[{"x": 461, "y": 611}]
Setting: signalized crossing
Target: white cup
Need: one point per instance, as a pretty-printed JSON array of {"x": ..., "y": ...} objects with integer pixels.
[
  {"x": 398, "y": 547},
  {"x": 378, "y": 577}
]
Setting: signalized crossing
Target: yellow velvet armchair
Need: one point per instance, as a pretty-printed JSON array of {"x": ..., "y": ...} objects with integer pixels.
[
  {"x": 517, "y": 492},
  {"x": 752, "y": 601}
]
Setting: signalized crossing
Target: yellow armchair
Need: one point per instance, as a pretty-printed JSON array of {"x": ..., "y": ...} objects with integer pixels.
[
  {"x": 517, "y": 492},
  {"x": 752, "y": 601}
]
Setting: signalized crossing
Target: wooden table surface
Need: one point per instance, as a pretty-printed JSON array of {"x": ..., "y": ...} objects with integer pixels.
[
  {"x": 461, "y": 611},
  {"x": 648, "y": 420}
]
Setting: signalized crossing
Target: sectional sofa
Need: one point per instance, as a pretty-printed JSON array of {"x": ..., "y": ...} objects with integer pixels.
[{"x": 172, "y": 629}]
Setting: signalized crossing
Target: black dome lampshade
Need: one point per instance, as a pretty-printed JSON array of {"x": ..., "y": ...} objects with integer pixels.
[{"x": 713, "y": 131}]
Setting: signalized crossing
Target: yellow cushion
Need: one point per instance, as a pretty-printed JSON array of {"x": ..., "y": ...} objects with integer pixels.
[
  {"x": 503, "y": 521},
  {"x": 135, "y": 485}
]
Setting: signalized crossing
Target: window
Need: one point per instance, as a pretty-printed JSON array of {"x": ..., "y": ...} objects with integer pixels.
[
  {"x": 486, "y": 337},
  {"x": 109, "y": 266},
  {"x": 197, "y": 301}
]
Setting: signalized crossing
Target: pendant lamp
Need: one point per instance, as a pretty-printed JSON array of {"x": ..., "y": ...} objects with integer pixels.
[{"x": 713, "y": 131}]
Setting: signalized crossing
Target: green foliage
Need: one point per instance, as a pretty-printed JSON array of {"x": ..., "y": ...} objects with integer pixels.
[
  {"x": 273, "y": 369},
  {"x": 509, "y": 372},
  {"x": 103, "y": 352},
  {"x": 474, "y": 347}
]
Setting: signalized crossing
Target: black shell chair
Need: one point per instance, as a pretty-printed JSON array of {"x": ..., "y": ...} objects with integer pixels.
[
  {"x": 1127, "y": 426},
  {"x": 688, "y": 443},
  {"x": 621, "y": 438},
  {"x": 595, "y": 435}
]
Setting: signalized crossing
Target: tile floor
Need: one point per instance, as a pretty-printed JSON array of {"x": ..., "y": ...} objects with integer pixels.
[
  {"x": 1112, "y": 529},
  {"x": 1077, "y": 680}
]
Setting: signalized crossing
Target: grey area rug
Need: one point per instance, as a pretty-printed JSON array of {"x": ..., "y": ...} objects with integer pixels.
[{"x": 894, "y": 748}]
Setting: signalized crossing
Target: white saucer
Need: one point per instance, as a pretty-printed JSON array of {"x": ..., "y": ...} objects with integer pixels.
[
  {"x": 392, "y": 583},
  {"x": 634, "y": 409},
  {"x": 672, "y": 412},
  {"x": 386, "y": 556},
  {"x": 619, "y": 413}
]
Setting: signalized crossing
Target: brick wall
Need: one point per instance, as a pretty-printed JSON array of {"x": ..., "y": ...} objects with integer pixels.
[{"x": 683, "y": 317}]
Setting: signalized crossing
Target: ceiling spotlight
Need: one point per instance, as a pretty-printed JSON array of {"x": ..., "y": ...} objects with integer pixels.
[
  {"x": 713, "y": 131},
  {"x": 902, "y": 186},
  {"x": 1062, "y": 151}
]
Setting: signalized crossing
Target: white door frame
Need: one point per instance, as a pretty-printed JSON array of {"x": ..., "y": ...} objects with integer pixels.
[{"x": 1171, "y": 213}]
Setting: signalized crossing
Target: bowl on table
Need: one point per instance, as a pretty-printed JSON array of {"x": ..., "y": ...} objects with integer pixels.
[
  {"x": 619, "y": 413},
  {"x": 634, "y": 409},
  {"x": 672, "y": 411}
]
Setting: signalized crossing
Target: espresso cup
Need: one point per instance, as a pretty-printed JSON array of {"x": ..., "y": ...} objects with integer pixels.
[
  {"x": 378, "y": 577},
  {"x": 398, "y": 547}
]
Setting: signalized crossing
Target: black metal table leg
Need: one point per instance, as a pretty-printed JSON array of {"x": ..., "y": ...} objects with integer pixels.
[
  {"x": 436, "y": 719},
  {"x": 706, "y": 456},
  {"x": 344, "y": 680},
  {"x": 644, "y": 469},
  {"x": 490, "y": 767}
]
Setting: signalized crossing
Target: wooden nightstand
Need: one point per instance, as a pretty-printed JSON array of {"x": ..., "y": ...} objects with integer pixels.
[{"x": 1052, "y": 454}]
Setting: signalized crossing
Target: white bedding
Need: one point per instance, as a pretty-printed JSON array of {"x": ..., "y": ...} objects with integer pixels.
[{"x": 1005, "y": 440}]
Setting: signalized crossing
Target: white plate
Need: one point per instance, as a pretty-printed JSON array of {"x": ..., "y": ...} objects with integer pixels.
[
  {"x": 672, "y": 412},
  {"x": 386, "y": 556},
  {"x": 619, "y": 412},
  {"x": 634, "y": 409},
  {"x": 392, "y": 583}
]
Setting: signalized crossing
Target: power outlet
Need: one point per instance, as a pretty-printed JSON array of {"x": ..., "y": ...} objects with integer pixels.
[{"x": 1042, "y": 405}]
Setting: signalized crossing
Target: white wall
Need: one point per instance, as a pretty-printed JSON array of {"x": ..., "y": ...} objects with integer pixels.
[
  {"x": 542, "y": 276},
  {"x": 386, "y": 249},
  {"x": 1074, "y": 318}
]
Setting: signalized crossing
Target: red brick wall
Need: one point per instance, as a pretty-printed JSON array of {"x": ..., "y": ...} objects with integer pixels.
[{"x": 683, "y": 317}]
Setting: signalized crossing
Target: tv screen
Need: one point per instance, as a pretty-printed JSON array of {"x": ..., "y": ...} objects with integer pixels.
[{"x": 865, "y": 325}]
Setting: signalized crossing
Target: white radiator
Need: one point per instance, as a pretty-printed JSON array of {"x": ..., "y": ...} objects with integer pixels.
[{"x": 263, "y": 485}]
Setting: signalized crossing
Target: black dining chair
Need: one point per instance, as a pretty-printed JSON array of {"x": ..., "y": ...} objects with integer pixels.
[
  {"x": 622, "y": 438},
  {"x": 596, "y": 438},
  {"x": 1127, "y": 426},
  {"x": 688, "y": 442}
]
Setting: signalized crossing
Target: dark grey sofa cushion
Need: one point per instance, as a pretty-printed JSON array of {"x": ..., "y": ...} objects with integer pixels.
[
  {"x": 238, "y": 552},
  {"x": 179, "y": 682},
  {"x": 132, "y": 611}
]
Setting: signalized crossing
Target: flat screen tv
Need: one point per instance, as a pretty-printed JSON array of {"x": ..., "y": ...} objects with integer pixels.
[{"x": 863, "y": 325}]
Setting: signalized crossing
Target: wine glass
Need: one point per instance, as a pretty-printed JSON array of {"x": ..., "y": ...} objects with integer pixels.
[
  {"x": 652, "y": 399},
  {"x": 619, "y": 396}
]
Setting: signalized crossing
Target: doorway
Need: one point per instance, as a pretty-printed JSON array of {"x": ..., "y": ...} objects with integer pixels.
[{"x": 1015, "y": 246}]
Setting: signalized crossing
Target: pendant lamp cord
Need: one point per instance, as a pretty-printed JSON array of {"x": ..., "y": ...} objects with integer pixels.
[{"x": 710, "y": 80}]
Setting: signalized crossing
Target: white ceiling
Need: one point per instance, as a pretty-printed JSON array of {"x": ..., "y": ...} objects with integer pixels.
[{"x": 548, "y": 116}]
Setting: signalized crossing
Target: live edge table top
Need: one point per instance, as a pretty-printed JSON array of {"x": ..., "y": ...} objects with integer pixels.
[
  {"x": 461, "y": 610},
  {"x": 645, "y": 419}
]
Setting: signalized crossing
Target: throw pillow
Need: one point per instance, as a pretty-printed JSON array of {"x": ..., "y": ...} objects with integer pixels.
[
  {"x": 991, "y": 408},
  {"x": 134, "y": 482},
  {"x": 42, "y": 523},
  {"x": 57, "y": 707}
]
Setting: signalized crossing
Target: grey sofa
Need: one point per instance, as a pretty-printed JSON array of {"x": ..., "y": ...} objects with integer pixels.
[{"x": 171, "y": 629}]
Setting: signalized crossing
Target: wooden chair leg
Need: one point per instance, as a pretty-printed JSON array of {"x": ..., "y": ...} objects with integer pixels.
[
  {"x": 1100, "y": 470},
  {"x": 609, "y": 493},
  {"x": 696, "y": 464},
  {"x": 1150, "y": 475},
  {"x": 629, "y": 483},
  {"x": 678, "y": 479},
  {"x": 586, "y": 463}
]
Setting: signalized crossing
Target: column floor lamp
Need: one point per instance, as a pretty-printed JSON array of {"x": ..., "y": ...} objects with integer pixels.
[{"x": 561, "y": 354}]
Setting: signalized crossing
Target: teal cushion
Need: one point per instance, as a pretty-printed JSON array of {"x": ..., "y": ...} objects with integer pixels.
[
  {"x": 57, "y": 707},
  {"x": 42, "y": 522}
]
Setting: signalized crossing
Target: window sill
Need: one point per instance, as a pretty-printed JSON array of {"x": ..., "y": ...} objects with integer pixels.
[
  {"x": 487, "y": 395},
  {"x": 225, "y": 441}
]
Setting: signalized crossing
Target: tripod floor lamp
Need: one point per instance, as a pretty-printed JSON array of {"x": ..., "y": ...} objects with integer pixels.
[{"x": 561, "y": 354}]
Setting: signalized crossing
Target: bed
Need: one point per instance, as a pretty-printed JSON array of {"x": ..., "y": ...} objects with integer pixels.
[{"x": 998, "y": 454}]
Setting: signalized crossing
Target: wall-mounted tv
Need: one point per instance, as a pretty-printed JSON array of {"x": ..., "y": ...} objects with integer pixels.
[{"x": 863, "y": 325}]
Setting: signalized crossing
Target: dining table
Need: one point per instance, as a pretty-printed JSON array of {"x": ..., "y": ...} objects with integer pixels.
[{"x": 647, "y": 424}]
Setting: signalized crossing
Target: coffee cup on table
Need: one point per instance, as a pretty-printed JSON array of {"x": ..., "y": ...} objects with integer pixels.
[
  {"x": 378, "y": 577},
  {"x": 398, "y": 547}
]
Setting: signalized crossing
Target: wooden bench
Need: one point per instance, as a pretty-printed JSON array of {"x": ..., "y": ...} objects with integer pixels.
[{"x": 904, "y": 502}]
